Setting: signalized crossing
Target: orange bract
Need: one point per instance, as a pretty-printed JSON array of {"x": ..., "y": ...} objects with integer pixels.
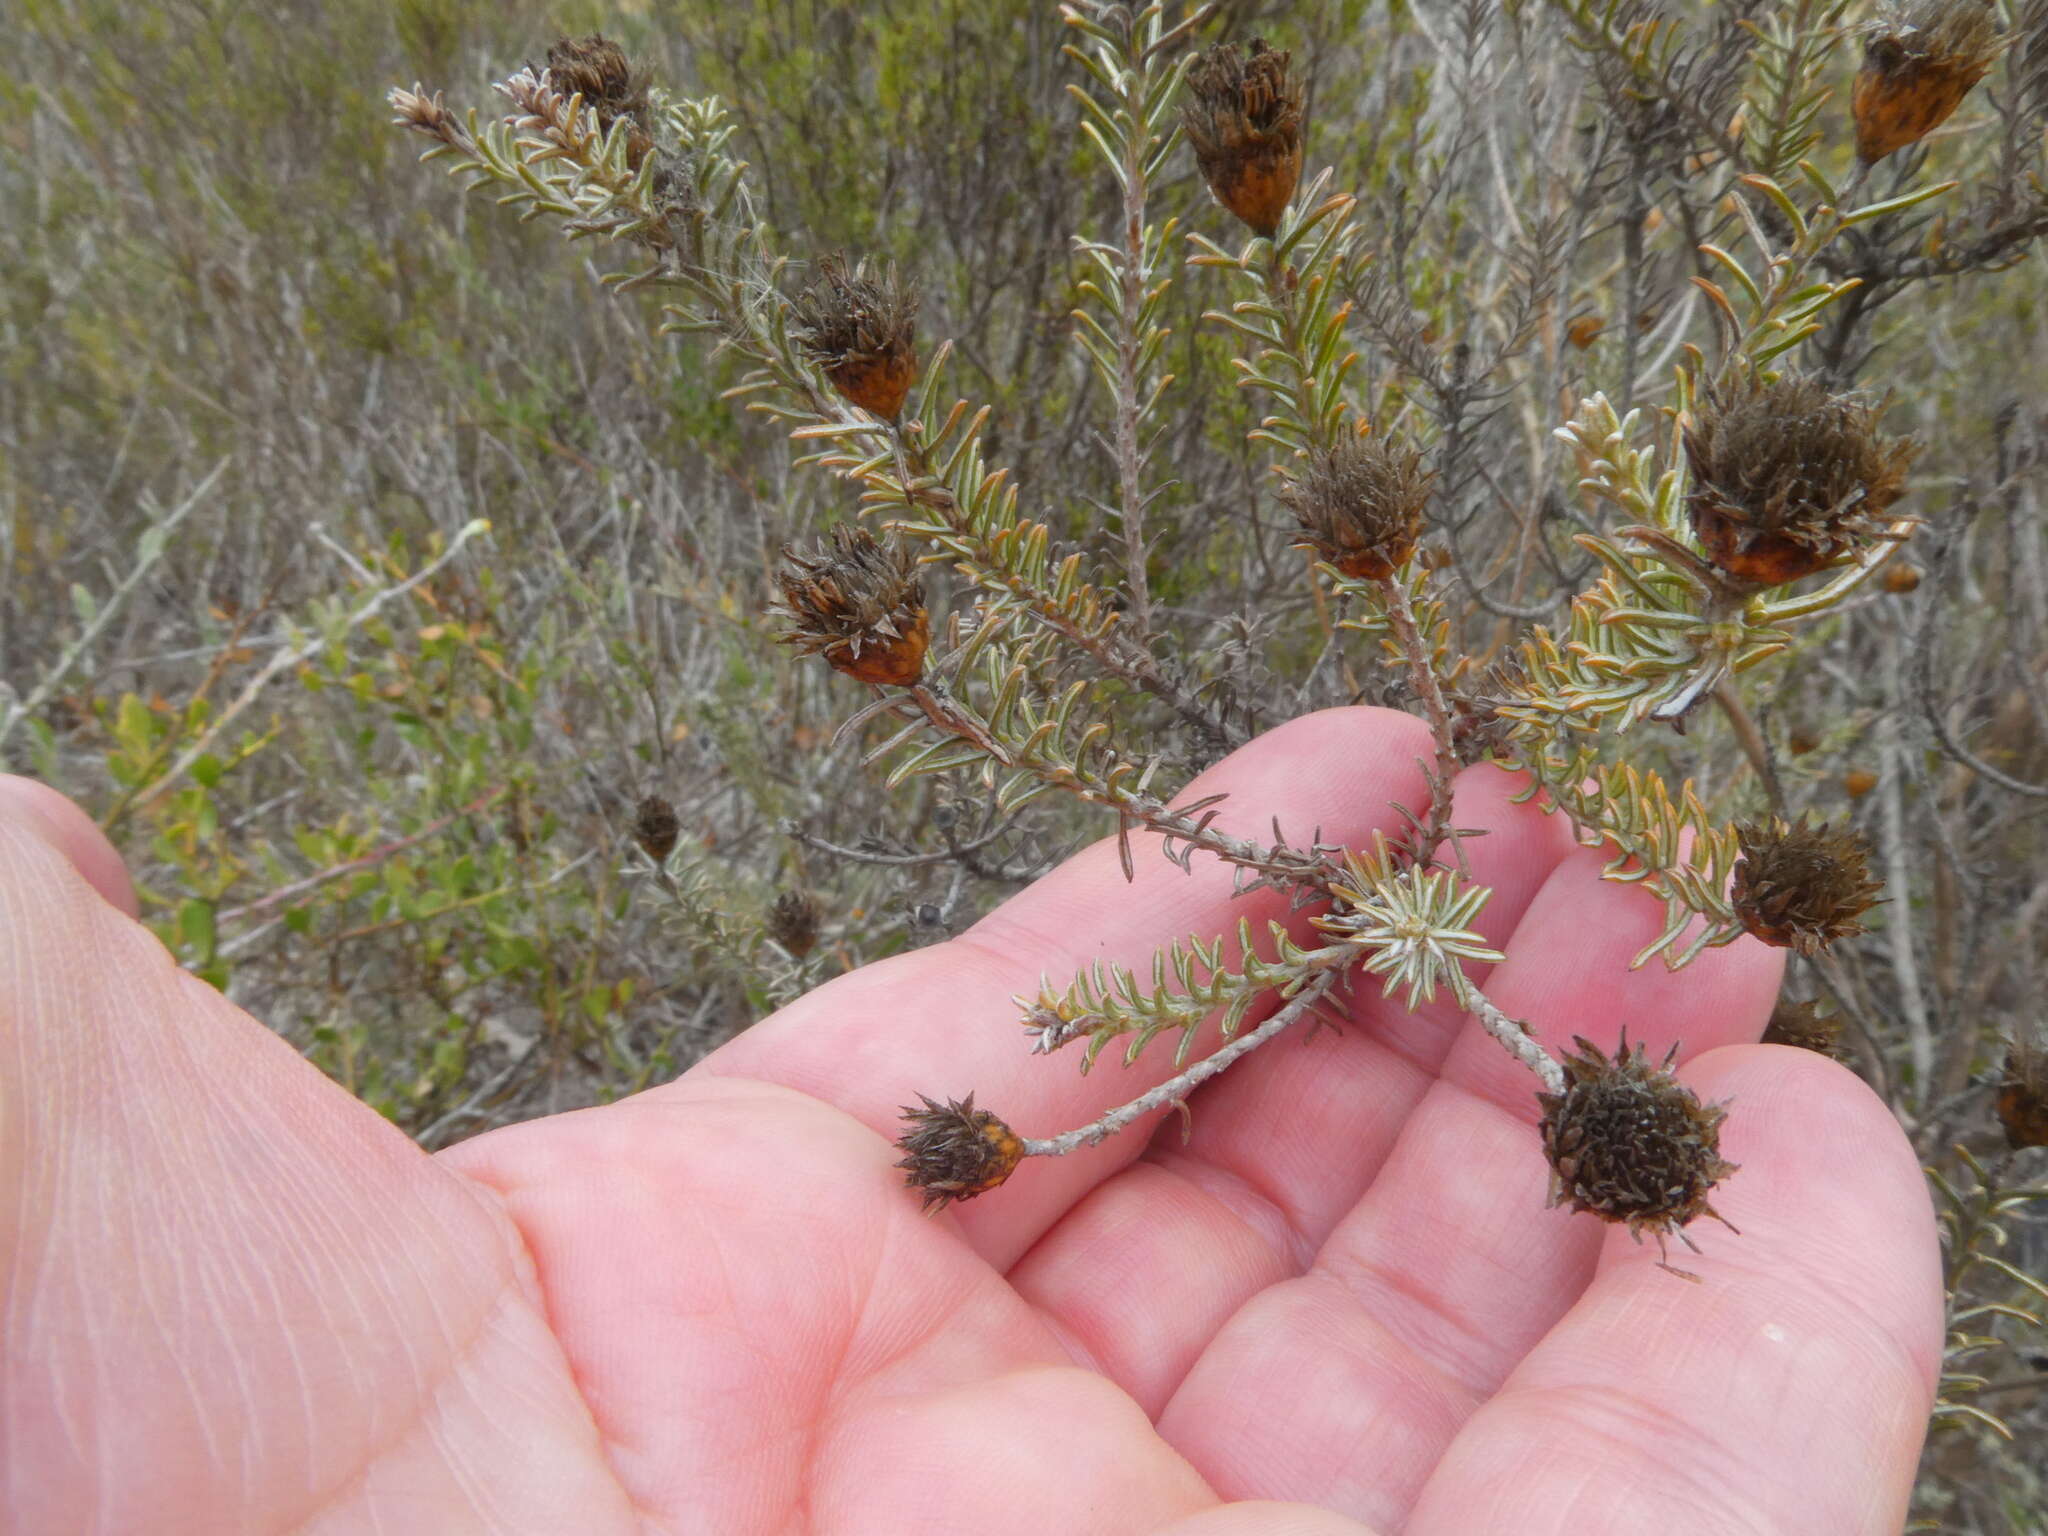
[{"x": 1920, "y": 63}]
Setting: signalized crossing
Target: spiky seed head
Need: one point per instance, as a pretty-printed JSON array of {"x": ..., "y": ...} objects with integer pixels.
[
  {"x": 597, "y": 69},
  {"x": 1245, "y": 122},
  {"x": 861, "y": 329},
  {"x": 2022, "y": 1101},
  {"x": 656, "y": 829},
  {"x": 1630, "y": 1143},
  {"x": 953, "y": 1151},
  {"x": 1361, "y": 505},
  {"x": 1920, "y": 59},
  {"x": 1805, "y": 1026},
  {"x": 793, "y": 922},
  {"x": 1788, "y": 477},
  {"x": 1800, "y": 886},
  {"x": 857, "y": 602}
]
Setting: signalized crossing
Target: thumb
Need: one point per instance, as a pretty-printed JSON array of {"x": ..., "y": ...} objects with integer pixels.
[
  {"x": 50, "y": 818},
  {"x": 225, "y": 1286}
]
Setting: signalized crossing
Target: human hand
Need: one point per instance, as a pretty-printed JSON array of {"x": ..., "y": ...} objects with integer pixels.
[{"x": 237, "y": 1300}]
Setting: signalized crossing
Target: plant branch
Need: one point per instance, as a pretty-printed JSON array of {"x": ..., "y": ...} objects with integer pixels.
[
  {"x": 1517, "y": 1040},
  {"x": 1436, "y": 826},
  {"x": 1176, "y": 1089}
]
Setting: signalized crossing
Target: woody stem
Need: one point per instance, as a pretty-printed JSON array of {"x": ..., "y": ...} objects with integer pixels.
[
  {"x": 1520, "y": 1044},
  {"x": 1176, "y": 1089},
  {"x": 1729, "y": 697},
  {"x": 1422, "y": 676},
  {"x": 1130, "y": 339}
]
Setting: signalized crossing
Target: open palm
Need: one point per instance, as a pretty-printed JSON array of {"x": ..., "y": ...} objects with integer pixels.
[{"x": 236, "y": 1300}]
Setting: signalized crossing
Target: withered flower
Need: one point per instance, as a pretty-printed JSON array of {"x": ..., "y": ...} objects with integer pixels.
[
  {"x": 1805, "y": 1026},
  {"x": 1788, "y": 477},
  {"x": 857, "y": 602},
  {"x": 954, "y": 1151},
  {"x": 2022, "y": 1101},
  {"x": 793, "y": 922},
  {"x": 1630, "y": 1143},
  {"x": 1802, "y": 887},
  {"x": 1245, "y": 124},
  {"x": 596, "y": 68},
  {"x": 1361, "y": 505},
  {"x": 862, "y": 331},
  {"x": 656, "y": 829},
  {"x": 1919, "y": 62}
]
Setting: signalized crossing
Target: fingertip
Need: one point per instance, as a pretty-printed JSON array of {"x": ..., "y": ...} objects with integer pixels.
[
  {"x": 1828, "y": 1183},
  {"x": 58, "y": 822}
]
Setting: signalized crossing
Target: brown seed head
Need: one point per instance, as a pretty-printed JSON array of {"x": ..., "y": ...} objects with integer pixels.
[
  {"x": 1804, "y": 1025},
  {"x": 1630, "y": 1143},
  {"x": 596, "y": 68},
  {"x": 1245, "y": 124},
  {"x": 1802, "y": 887},
  {"x": 1787, "y": 477},
  {"x": 1920, "y": 60},
  {"x": 656, "y": 829},
  {"x": 858, "y": 602},
  {"x": 1901, "y": 576},
  {"x": 1361, "y": 505},
  {"x": 793, "y": 922},
  {"x": 953, "y": 1151},
  {"x": 2022, "y": 1101},
  {"x": 862, "y": 331}
]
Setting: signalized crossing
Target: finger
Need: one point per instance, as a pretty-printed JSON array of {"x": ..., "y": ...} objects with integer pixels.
[
  {"x": 67, "y": 829},
  {"x": 1451, "y": 1266},
  {"x": 1787, "y": 1391},
  {"x": 1282, "y": 1146},
  {"x": 226, "y": 1288},
  {"x": 943, "y": 1022}
]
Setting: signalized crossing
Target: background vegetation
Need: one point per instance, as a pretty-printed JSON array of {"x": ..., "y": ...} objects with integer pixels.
[{"x": 374, "y": 768}]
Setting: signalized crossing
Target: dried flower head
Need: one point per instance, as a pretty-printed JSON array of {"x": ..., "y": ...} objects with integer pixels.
[
  {"x": 597, "y": 69},
  {"x": 1630, "y": 1143},
  {"x": 1788, "y": 477},
  {"x": 1805, "y": 1026},
  {"x": 953, "y": 1151},
  {"x": 1245, "y": 124},
  {"x": 2022, "y": 1101},
  {"x": 1802, "y": 887},
  {"x": 1361, "y": 505},
  {"x": 793, "y": 922},
  {"x": 656, "y": 829},
  {"x": 862, "y": 331},
  {"x": 1920, "y": 60},
  {"x": 858, "y": 602}
]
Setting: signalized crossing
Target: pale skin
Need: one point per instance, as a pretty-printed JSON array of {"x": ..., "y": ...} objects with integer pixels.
[{"x": 235, "y": 1300}]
